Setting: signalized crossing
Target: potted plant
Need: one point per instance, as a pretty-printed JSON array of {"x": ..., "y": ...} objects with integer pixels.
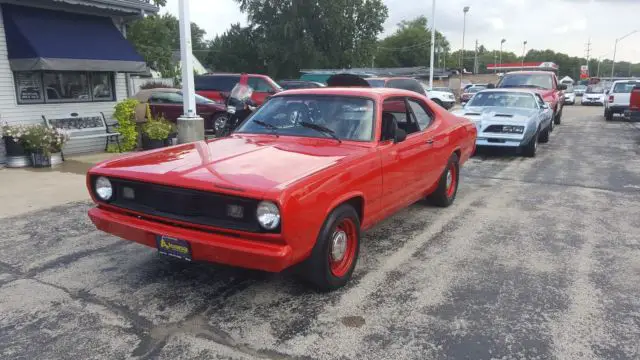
[
  {"x": 156, "y": 131},
  {"x": 16, "y": 153},
  {"x": 44, "y": 145}
]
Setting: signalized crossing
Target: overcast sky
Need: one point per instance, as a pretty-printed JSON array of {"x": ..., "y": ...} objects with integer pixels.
[{"x": 560, "y": 25}]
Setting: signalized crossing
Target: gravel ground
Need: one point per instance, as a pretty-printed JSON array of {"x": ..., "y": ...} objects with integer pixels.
[{"x": 537, "y": 259}]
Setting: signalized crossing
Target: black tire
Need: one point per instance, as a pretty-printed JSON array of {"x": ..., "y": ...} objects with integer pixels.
[
  {"x": 445, "y": 193},
  {"x": 317, "y": 269},
  {"x": 608, "y": 115},
  {"x": 531, "y": 148},
  {"x": 544, "y": 135},
  {"x": 558, "y": 117},
  {"x": 220, "y": 118}
]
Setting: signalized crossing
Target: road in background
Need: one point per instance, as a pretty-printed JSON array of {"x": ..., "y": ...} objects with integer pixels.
[{"x": 538, "y": 258}]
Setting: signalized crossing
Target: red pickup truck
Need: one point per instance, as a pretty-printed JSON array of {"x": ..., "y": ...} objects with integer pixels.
[{"x": 544, "y": 83}]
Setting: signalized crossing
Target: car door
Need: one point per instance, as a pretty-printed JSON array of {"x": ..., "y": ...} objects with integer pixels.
[
  {"x": 167, "y": 104},
  {"x": 398, "y": 159},
  {"x": 546, "y": 114},
  {"x": 428, "y": 145}
]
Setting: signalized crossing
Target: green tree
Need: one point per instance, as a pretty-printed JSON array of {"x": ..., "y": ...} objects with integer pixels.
[
  {"x": 323, "y": 33},
  {"x": 156, "y": 37},
  {"x": 410, "y": 45},
  {"x": 234, "y": 51}
]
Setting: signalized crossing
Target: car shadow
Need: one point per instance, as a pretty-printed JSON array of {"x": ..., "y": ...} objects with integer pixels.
[{"x": 489, "y": 153}]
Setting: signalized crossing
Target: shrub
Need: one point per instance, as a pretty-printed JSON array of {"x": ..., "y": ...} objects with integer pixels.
[
  {"x": 155, "y": 85},
  {"x": 157, "y": 128},
  {"x": 125, "y": 112},
  {"x": 45, "y": 140}
]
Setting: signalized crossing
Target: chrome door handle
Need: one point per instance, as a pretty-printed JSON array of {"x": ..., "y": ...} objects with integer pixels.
[{"x": 430, "y": 141}]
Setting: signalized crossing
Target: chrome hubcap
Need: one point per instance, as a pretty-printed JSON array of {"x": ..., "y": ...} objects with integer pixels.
[
  {"x": 449, "y": 179},
  {"x": 219, "y": 124},
  {"x": 338, "y": 245}
]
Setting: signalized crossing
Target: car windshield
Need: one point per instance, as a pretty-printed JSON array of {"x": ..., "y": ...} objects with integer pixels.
[
  {"x": 474, "y": 90},
  {"x": 375, "y": 83},
  {"x": 504, "y": 99},
  {"x": 203, "y": 100},
  {"x": 539, "y": 81},
  {"x": 625, "y": 87},
  {"x": 595, "y": 90},
  {"x": 345, "y": 117},
  {"x": 569, "y": 89}
]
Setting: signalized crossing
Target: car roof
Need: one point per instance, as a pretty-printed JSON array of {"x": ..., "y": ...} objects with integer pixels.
[
  {"x": 531, "y": 72},
  {"x": 375, "y": 93},
  {"x": 144, "y": 94},
  {"x": 511, "y": 90},
  {"x": 234, "y": 74}
]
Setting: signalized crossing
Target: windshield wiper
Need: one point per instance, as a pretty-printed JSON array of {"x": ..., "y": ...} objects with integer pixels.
[
  {"x": 320, "y": 128},
  {"x": 268, "y": 126}
]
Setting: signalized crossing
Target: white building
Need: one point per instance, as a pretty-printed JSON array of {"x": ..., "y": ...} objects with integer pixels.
[{"x": 60, "y": 57}]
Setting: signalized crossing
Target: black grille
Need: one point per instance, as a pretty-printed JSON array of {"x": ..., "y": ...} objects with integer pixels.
[
  {"x": 191, "y": 206},
  {"x": 494, "y": 129}
]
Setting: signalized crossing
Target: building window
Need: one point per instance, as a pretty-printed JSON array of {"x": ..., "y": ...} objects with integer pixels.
[{"x": 39, "y": 87}]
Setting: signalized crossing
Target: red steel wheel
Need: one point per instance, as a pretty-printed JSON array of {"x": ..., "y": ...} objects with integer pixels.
[
  {"x": 452, "y": 179},
  {"x": 342, "y": 249}
]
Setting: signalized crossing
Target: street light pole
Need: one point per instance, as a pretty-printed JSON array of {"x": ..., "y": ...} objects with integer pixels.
[
  {"x": 433, "y": 43},
  {"x": 465, "y": 10},
  {"x": 615, "y": 48},
  {"x": 524, "y": 51},
  {"x": 190, "y": 125},
  {"x": 501, "y": 42}
]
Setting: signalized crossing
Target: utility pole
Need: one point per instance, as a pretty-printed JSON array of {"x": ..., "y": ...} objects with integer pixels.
[
  {"x": 495, "y": 62},
  {"x": 588, "y": 51},
  {"x": 190, "y": 125},
  {"x": 433, "y": 43},
  {"x": 465, "y": 10},
  {"x": 475, "y": 59}
]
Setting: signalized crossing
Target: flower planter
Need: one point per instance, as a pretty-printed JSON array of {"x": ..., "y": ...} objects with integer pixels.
[
  {"x": 40, "y": 160},
  {"x": 56, "y": 159},
  {"x": 13, "y": 148},
  {"x": 18, "y": 161},
  {"x": 149, "y": 144}
]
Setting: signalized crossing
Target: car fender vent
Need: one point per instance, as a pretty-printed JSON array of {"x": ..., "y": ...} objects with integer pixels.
[
  {"x": 503, "y": 115},
  {"x": 472, "y": 114}
]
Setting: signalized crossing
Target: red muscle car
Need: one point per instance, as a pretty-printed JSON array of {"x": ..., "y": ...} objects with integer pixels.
[{"x": 295, "y": 184}]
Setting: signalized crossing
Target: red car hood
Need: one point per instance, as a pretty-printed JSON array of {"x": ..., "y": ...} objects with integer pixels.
[{"x": 234, "y": 164}]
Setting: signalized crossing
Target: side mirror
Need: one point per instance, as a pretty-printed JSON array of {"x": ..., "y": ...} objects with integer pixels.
[
  {"x": 545, "y": 106},
  {"x": 399, "y": 136},
  {"x": 562, "y": 87}
]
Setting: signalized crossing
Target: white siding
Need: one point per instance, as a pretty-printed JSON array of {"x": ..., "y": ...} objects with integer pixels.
[{"x": 12, "y": 113}]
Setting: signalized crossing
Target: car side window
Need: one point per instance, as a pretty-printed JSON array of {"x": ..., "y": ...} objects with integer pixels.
[
  {"x": 422, "y": 117},
  {"x": 259, "y": 84},
  {"x": 539, "y": 100},
  {"x": 398, "y": 108},
  {"x": 165, "y": 98}
]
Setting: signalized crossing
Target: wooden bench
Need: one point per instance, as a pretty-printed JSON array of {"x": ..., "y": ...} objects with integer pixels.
[{"x": 85, "y": 127}]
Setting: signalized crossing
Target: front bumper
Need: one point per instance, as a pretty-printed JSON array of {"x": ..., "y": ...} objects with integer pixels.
[
  {"x": 587, "y": 101},
  {"x": 205, "y": 246}
]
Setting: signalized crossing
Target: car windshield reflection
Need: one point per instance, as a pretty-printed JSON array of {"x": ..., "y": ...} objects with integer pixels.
[
  {"x": 504, "y": 99},
  {"x": 340, "y": 117}
]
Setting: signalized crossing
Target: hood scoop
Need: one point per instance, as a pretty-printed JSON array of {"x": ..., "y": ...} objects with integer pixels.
[{"x": 503, "y": 115}]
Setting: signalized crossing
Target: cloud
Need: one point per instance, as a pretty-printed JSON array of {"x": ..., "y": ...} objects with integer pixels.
[{"x": 495, "y": 23}]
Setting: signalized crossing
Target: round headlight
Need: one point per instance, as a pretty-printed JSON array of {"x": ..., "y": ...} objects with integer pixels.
[
  {"x": 268, "y": 215},
  {"x": 103, "y": 188}
]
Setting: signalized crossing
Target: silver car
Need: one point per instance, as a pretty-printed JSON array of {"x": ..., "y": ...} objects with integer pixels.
[{"x": 517, "y": 118}]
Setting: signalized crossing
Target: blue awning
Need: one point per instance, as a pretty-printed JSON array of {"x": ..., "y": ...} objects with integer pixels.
[{"x": 40, "y": 39}]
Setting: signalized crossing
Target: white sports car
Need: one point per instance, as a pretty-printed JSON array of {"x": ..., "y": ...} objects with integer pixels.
[{"x": 509, "y": 118}]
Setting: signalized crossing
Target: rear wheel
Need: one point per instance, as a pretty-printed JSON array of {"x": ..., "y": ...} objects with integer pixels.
[
  {"x": 558, "y": 117},
  {"x": 218, "y": 123},
  {"x": 608, "y": 115},
  {"x": 531, "y": 148},
  {"x": 335, "y": 253},
  {"x": 445, "y": 193}
]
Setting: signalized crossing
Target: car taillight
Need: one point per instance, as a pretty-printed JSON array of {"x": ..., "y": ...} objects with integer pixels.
[{"x": 610, "y": 98}]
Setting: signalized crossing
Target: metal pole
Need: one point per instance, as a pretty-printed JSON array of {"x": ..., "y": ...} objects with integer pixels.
[
  {"x": 190, "y": 125},
  {"x": 464, "y": 29},
  {"x": 475, "y": 59},
  {"x": 501, "y": 54},
  {"x": 598, "y": 72},
  {"x": 524, "y": 51},
  {"x": 495, "y": 62},
  {"x": 613, "y": 65},
  {"x": 433, "y": 43}
]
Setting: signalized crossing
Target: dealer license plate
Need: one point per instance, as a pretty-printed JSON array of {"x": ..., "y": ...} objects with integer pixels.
[{"x": 174, "y": 247}]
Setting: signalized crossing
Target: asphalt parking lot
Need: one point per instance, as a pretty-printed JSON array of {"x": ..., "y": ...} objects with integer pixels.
[{"x": 537, "y": 259}]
